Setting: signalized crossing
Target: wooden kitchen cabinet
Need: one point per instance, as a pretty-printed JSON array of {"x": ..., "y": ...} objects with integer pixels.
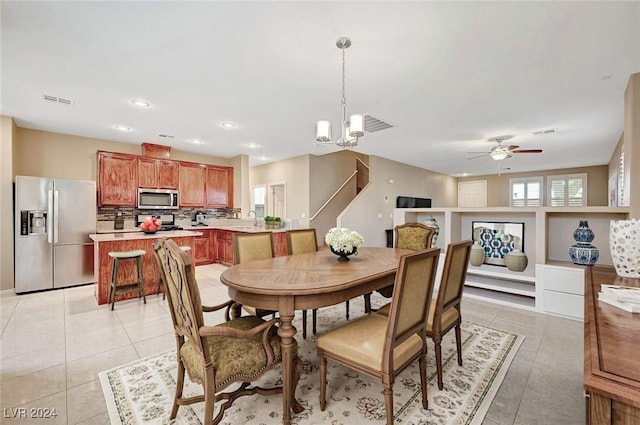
[
  {"x": 280, "y": 244},
  {"x": 204, "y": 247},
  {"x": 192, "y": 184},
  {"x": 117, "y": 179},
  {"x": 223, "y": 247},
  {"x": 158, "y": 173},
  {"x": 219, "y": 187}
]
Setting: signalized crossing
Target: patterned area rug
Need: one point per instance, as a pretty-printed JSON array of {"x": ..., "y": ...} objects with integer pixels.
[{"x": 142, "y": 392}]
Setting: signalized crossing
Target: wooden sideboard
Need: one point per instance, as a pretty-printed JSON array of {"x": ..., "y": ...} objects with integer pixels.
[{"x": 611, "y": 354}]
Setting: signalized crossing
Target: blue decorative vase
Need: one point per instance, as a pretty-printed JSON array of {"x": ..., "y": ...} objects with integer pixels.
[{"x": 582, "y": 252}]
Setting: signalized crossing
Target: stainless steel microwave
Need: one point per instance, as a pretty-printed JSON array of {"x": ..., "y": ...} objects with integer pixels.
[{"x": 158, "y": 199}]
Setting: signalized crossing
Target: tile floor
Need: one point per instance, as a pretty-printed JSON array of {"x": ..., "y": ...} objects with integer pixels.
[{"x": 54, "y": 343}]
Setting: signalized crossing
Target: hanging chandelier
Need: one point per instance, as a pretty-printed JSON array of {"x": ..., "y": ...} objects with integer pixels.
[{"x": 353, "y": 128}]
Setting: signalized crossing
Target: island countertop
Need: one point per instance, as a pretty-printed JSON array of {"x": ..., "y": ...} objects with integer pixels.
[{"x": 132, "y": 235}]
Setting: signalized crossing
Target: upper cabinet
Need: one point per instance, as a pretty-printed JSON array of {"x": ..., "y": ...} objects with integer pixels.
[
  {"x": 192, "y": 186},
  {"x": 219, "y": 187},
  {"x": 200, "y": 185},
  {"x": 117, "y": 179},
  {"x": 158, "y": 173}
]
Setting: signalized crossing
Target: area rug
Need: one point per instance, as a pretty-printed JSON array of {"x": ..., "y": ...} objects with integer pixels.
[{"x": 142, "y": 391}]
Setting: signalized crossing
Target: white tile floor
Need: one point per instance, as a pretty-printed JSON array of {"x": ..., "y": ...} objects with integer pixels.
[{"x": 54, "y": 344}]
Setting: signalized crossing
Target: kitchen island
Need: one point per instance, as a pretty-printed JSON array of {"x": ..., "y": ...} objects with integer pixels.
[{"x": 108, "y": 242}]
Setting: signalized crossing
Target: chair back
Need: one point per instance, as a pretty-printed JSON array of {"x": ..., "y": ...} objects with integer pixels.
[
  {"x": 413, "y": 236},
  {"x": 182, "y": 292},
  {"x": 301, "y": 241},
  {"x": 413, "y": 289},
  {"x": 252, "y": 246},
  {"x": 454, "y": 274}
]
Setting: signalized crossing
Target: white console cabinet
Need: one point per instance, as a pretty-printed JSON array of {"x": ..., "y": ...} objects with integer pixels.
[{"x": 550, "y": 283}]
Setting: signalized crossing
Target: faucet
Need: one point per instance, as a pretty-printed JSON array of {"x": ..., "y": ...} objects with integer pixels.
[{"x": 255, "y": 218}]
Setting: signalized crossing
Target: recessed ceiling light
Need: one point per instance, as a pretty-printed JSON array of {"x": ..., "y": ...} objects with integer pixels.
[
  {"x": 140, "y": 103},
  {"x": 122, "y": 127},
  {"x": 228, "y": 124},
  {"x": 263, "y": 158},
  {"x": 196, "y": 141},
  {"x": 252, "y": 145}
]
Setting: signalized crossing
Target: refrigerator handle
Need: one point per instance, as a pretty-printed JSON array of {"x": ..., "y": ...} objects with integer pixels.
[
  {"x": 49, "y": 216},
  {"x": 55, "y": 216}
]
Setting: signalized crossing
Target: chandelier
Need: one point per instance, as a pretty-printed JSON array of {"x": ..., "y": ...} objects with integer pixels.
[{"x": 351, "y": 129}]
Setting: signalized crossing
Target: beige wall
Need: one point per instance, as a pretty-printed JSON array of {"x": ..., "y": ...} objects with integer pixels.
[
  {"x": 46, "y": 154},
  {"x": 295, "y": 173},
  {"x": 632, "y": 144},
  {"x": 7, "y": 136},
  {"x": 372, "y": 210},
  {"x": 498, "y": 186}
]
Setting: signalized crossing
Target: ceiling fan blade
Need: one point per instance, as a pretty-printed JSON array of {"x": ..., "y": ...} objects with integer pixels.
[
  {"x": 527, "y": 151},
  {"x": 479, "y": 156},
  {"x": 512, "y": 147}
]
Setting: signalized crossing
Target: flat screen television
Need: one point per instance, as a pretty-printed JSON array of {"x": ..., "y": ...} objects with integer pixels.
[{"x": 412, "y": 202}]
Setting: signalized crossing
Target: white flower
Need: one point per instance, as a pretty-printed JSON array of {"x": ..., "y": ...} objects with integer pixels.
[{"x": 343, "y": 239}]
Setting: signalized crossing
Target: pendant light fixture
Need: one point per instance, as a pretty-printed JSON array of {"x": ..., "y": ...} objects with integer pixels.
[{"x": 353, "y": 128}]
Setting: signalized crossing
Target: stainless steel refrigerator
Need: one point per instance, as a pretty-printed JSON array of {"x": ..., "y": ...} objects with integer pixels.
[{"x": 53, "y": 220}]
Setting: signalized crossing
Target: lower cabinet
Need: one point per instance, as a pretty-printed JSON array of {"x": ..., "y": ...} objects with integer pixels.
[
  {"x": 204, "y": 252},
  {"x": 280, "y": 244},
  {"x": 222, "y": 246},
  {"x": 602, "y": 410},
  {"x": 562, "y": 289}
]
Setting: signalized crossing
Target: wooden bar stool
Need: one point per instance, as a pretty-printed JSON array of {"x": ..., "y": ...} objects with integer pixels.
[
  {"x": 127, "y": 288},
  {"x": 184, "y": 248}
]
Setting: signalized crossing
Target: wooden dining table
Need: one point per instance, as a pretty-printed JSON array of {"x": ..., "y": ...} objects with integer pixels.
[{"x": 305, "y": 282}]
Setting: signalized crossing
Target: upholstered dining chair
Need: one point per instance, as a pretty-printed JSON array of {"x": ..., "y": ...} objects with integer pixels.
[
  {"x": 413, "y": 236},
  {"x": 445, "y": 313},
  {"x": 300, "y": 241},
  {"x": 238, "y": 350},
  {"x": 382, "y": 346},
  {"x": 251, "y": 247}
]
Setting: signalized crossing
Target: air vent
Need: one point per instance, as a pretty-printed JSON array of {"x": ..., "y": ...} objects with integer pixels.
[
  {"x": 59, "y": 100},
  {"x": 543, "y": 132},
  {"x": 166, "y": 136},
  {"x": 372, "y": 124}
]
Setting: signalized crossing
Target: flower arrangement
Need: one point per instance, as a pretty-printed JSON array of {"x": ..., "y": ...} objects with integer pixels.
[{"x": 343, "y": 239}]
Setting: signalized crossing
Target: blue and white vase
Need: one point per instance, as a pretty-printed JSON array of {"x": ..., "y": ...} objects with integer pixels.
[{"x": 582, "y": 252}]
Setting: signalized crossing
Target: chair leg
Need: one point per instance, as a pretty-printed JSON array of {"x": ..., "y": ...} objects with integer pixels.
[
  {"x": 367, "y": 303},
  {"x": 459, "y": 343},
  {"x": 179, "y": 388},
  {"x": 322, "y": 360},
  {"x": 140, "y": 279},
  {"x": 423, "y": 380},
  {"x": 209, "y": 396},
  {"x": 114, "y": 274},
  {"x": 314, "y": 319},
  {"x": 388, "y": 402},
  {"x": 304, "y": 324},
  {"x": 347, "y": 304},
  {"x": 439, "y": 360}
]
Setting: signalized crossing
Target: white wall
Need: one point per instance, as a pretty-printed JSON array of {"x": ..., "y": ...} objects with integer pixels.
[{"x": 372, "y": 210}]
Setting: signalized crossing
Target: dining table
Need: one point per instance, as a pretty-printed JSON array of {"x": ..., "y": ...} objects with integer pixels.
[{"x": 305, "y": 282}]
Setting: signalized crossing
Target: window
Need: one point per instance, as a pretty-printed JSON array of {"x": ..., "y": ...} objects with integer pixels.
[
  {"x": 567, "y": 191},
  {"x": 526, "y": 192}
]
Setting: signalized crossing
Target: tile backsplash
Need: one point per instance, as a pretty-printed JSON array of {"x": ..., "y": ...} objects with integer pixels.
[{"x": 108, "y": 214}]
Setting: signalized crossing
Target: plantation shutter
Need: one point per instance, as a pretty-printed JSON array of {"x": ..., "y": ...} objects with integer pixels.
[
  {"x": 533, "y": 194},
  {"x": 518, "y": 195},
  {"x": 568, "y": 191},
  {"x": 557, "y": 193}
]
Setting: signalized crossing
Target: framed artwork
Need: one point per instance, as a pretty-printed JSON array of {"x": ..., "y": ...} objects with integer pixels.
[{"x": 497, "y": 239}]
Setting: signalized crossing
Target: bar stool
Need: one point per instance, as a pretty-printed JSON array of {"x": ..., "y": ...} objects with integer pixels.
[
  {"x": 127, "y": 288},
  {"x": 184, "y": 248}
]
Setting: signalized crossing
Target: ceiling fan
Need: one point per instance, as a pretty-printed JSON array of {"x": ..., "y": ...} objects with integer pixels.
[{"x": 500, "y": 152}]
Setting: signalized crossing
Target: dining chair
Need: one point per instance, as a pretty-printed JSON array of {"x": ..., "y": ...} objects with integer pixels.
[
  {"x": 239, "y": 350},
  {"x": 413, "y": 236},
  {"x": 251, "y": 247},
  {"x": 382, "y": 346},
  {"x": 300, "y": 241},
  {"x": 445, "y": 312}
]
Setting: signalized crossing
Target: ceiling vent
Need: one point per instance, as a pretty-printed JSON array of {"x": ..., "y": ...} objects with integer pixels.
[
  {"x": 59, "y": 100},
  {"x": 166, "y": 136},
  {"x": 543, "y": 132},
  {"x": 372, "y": 124}
]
